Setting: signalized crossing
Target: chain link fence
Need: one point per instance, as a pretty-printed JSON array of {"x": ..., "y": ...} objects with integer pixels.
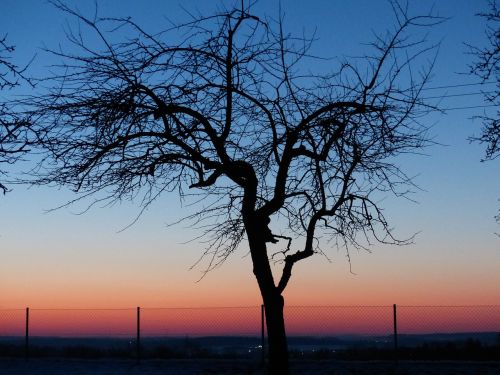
[{"x": 345, "y": 332}]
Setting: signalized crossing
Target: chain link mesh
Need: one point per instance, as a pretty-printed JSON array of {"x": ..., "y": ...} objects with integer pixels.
[{"x": 168, "y": 332}]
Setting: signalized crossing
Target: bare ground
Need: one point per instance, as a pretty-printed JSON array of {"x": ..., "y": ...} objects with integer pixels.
[{"x": 230, "y": 367}]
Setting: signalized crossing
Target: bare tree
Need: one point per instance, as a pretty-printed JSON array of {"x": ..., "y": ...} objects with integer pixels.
[
  {"x": 487, "y": 66},
  {"x": 11, "y": 147},
  {"x": 228, "y": 113}
]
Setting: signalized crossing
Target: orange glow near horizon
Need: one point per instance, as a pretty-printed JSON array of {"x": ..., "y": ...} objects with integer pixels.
[
  {"x": 444, "y": 319},
  {"x": 245, "y": 321}
]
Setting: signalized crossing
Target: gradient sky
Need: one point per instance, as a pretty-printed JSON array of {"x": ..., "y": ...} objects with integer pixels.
[{"x": 60, "y": 259}]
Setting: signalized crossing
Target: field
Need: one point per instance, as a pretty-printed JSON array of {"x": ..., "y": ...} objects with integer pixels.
[{"x": 230, "y": 367}]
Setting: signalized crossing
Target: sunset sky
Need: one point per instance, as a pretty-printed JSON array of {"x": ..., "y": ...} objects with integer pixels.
[{"x": 60, "y": 259}]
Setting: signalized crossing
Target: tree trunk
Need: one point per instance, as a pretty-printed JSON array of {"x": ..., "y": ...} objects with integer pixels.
[
  {"x": 258, "y": 233},
  {"x": 276, "y": 335},
  {"x": 273, "y": 301}
]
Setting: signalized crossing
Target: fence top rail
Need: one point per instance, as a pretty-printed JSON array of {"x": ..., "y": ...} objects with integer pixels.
[
  {"x": 246, "y": 307},
  {"x": 338, "y": 306},
  {"x": 450, "y": 306},
  {"x": 202, "y": 307},
  {"x": 130, "y": 308},
  {"x": 79, "y": 309}
]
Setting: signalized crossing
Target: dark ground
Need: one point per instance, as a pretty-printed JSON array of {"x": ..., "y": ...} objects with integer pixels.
[{"x": 226, "y": 367}]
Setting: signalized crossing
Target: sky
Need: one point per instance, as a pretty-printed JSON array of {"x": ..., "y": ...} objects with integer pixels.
[{"x": 60, "y": 259}]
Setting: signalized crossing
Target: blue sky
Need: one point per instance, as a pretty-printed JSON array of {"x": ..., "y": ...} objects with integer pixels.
[{"x": 456, "y": 253}]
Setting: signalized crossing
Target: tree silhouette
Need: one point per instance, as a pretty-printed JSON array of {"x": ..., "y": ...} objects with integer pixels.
[
  {"x": 229, "y": 114},
  {"x": 487, "y": 66},
  {"x": 11, "y": 146}
]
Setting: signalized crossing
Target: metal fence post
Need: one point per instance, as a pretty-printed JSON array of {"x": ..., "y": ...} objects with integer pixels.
[
  {"x": 138, "y": 338},
  {"x": 263, "y": 339},
  {"x": 27, "y": 334},
  {"x": 395, "y": 333}
]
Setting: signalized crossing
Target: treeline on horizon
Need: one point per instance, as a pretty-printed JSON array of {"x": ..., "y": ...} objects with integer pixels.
[{"x": 460, "y": 349}]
